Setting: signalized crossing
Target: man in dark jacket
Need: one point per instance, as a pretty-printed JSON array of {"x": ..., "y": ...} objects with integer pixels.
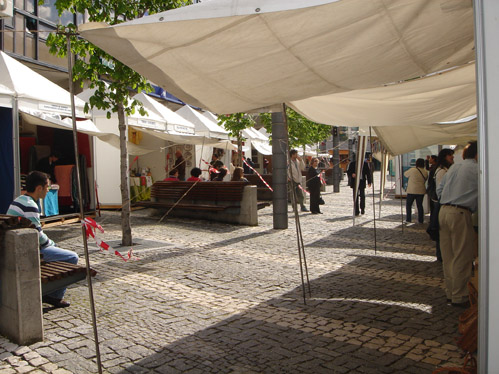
[{"x": 365, "y": 176}]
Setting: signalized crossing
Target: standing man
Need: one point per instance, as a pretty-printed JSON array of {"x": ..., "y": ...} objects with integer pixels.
[
  {"x": 365, "y": 175},
  {"x": 180, "y": 165},
  {"x": 37, "y": 186},
  {"x": 295, "y": 177},
  {"x": 48, "y": 164},
  {"x": 458, "y": 194}
]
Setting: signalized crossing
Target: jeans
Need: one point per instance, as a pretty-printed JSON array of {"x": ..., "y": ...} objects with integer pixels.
[
  {"x": 419, "y": 203},
  {"x": 53, "y": 253}
]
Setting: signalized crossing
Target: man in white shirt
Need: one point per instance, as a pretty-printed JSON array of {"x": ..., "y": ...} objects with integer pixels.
[
  {"x": 296, "y": 165},
  {"x": 458, "y": 194}
]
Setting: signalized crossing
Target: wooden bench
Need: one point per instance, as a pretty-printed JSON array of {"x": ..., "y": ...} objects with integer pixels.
[
  {"x": 263, "y": 192},
  {"x": 56, "y": 275},
  {"x": 221, "y": 201},
  {"x": 23, "y": 280}
]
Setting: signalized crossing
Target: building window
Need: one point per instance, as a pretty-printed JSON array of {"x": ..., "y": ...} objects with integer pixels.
[{"x": 29, "y": 28}]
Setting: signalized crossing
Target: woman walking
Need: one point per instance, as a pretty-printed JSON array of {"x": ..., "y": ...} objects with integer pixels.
[{"x": 416, "y": 189}]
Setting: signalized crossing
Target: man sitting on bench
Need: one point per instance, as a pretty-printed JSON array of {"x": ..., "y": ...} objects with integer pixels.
[{"x": 37, "y": 186}]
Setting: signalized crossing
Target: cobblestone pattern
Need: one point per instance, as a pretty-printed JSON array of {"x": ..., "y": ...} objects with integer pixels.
[{"x": 209, "y": 297}]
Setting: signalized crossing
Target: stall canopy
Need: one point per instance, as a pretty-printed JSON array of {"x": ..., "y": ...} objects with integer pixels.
[
  {"x": 150, "y": 120},
  {"x": 34, "y": 93},
  {"x": 241, "y": 55},
  {"x": 403, "y": 139},
  {"x": 204, "y": 125},
  {"x": 175, "y": 124},
  {"x": 446, "y": 96}
]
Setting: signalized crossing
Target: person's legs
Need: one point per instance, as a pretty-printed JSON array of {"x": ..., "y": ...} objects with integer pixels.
[
  {"x": 51, "y": 254},
  {"x": 300, "y": 197},
  {"x": 356, "y": 202},
  {"x": 362, "y": 198},
  {"x": 408, "y": 206},
  {"x": 463, "y": 243},
  {"x": 314, "y": 200},
  {"x": 419, "y": 204},
  {"x": 444, "y": 221}
]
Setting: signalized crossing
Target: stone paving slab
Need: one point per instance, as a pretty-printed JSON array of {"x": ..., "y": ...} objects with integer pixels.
[{"x": 209, "y": 297}]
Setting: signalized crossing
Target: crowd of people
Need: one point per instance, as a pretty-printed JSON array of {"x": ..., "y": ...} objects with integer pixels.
[{"x": 452, "y": 191}]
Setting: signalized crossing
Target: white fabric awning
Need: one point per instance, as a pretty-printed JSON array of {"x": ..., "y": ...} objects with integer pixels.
[
  {"x": 234, "y": 56},
  {"x": 175, "y": 124},
  {"x": 152, "y": 120},
  {"x": 263, "y": 148},
  {"x": 203, "y": 125},
  {"x": 55, "y": 121},
  {"x": 179, "y": 138},
  {"x": 447, "y": 96},
  {"x": 403, "y": 139},
  {"x": 85, "y": 127},
  {"x": 32, "y": 91}
]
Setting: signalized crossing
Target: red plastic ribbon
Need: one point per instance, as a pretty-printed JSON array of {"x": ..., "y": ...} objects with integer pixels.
[
  {"x": 263, "y": 180},
  {"x": 91, "y": 228}
]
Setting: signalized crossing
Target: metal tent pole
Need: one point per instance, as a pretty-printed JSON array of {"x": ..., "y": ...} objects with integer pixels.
[
  {"x": 80, "y": 198},
  {"x": 374, "y": 202}
]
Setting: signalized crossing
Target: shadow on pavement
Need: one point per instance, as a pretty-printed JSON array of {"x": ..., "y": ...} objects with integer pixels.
[{"x": 365, "y": 317}]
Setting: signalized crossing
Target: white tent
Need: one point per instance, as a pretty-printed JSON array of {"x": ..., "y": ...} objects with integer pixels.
[
  {"x": 175, "y": 124},
  {"x": 107, "y": 150},
  {"x": 33, "y": 92},
  {"x": 39, "y": 102},
  {"x": 320, "y": 46},
  {"x": 203, "y": 125}
]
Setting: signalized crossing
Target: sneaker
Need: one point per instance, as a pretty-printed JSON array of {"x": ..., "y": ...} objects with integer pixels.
[
  {"x": 304, "y": 209},
  {"x": 58, "y": 303}
]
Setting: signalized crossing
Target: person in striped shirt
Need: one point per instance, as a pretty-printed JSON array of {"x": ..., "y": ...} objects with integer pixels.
[{"x": 37, "y": 186}]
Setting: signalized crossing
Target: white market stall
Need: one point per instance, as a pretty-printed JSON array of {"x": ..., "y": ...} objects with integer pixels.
[
  {"x": 32, "y": 112},
  {"x": 209, "y": 128},
  {"x": 107, "y": 153}
]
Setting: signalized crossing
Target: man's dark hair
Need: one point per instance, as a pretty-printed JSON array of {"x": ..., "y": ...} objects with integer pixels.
[
  {"x": 218, "y": 164},
  {"x": 470, "y": 150},
  {"x": 35, "y": 179},
  {"x": 173, "y": 171},
  {"x": 434, "y": 157},
  {"x": 293, "y": 152},
  {"x": 196, "y": 172},
  {"x": 420, "y": 163}
]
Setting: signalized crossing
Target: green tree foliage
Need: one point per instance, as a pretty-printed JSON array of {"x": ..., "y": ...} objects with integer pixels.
[
  {"x": 235, "y": 124},
  {"x": 92, "y": 65},
  {"x": 301, "y": 130}
]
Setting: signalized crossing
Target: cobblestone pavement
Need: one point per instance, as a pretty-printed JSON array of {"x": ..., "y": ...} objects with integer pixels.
[{"x": 209, "y": 297}]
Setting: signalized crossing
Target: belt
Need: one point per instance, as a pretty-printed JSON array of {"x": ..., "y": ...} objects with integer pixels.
[{"x": 458, "y": 206}]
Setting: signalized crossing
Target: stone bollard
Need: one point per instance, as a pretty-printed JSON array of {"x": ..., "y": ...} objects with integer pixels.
[
  {"x": 249, "y": 207},
  {"x": 21, "y": 318}
]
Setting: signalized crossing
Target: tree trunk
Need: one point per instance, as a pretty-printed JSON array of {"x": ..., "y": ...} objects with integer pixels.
[
  {"x": 126, "y": 229},
  {"x": 239, "y": 149}
]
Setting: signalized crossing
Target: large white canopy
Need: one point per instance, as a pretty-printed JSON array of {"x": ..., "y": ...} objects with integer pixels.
[
  {"x": 234, "y": 56},
  {"x": 402, "y": 139},
  {"x": 33, "y": 92},
  {"x": 448, "y": 96}
]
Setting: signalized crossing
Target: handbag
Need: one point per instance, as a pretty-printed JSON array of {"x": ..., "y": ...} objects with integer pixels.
[{"x": 321, "y": 201}]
